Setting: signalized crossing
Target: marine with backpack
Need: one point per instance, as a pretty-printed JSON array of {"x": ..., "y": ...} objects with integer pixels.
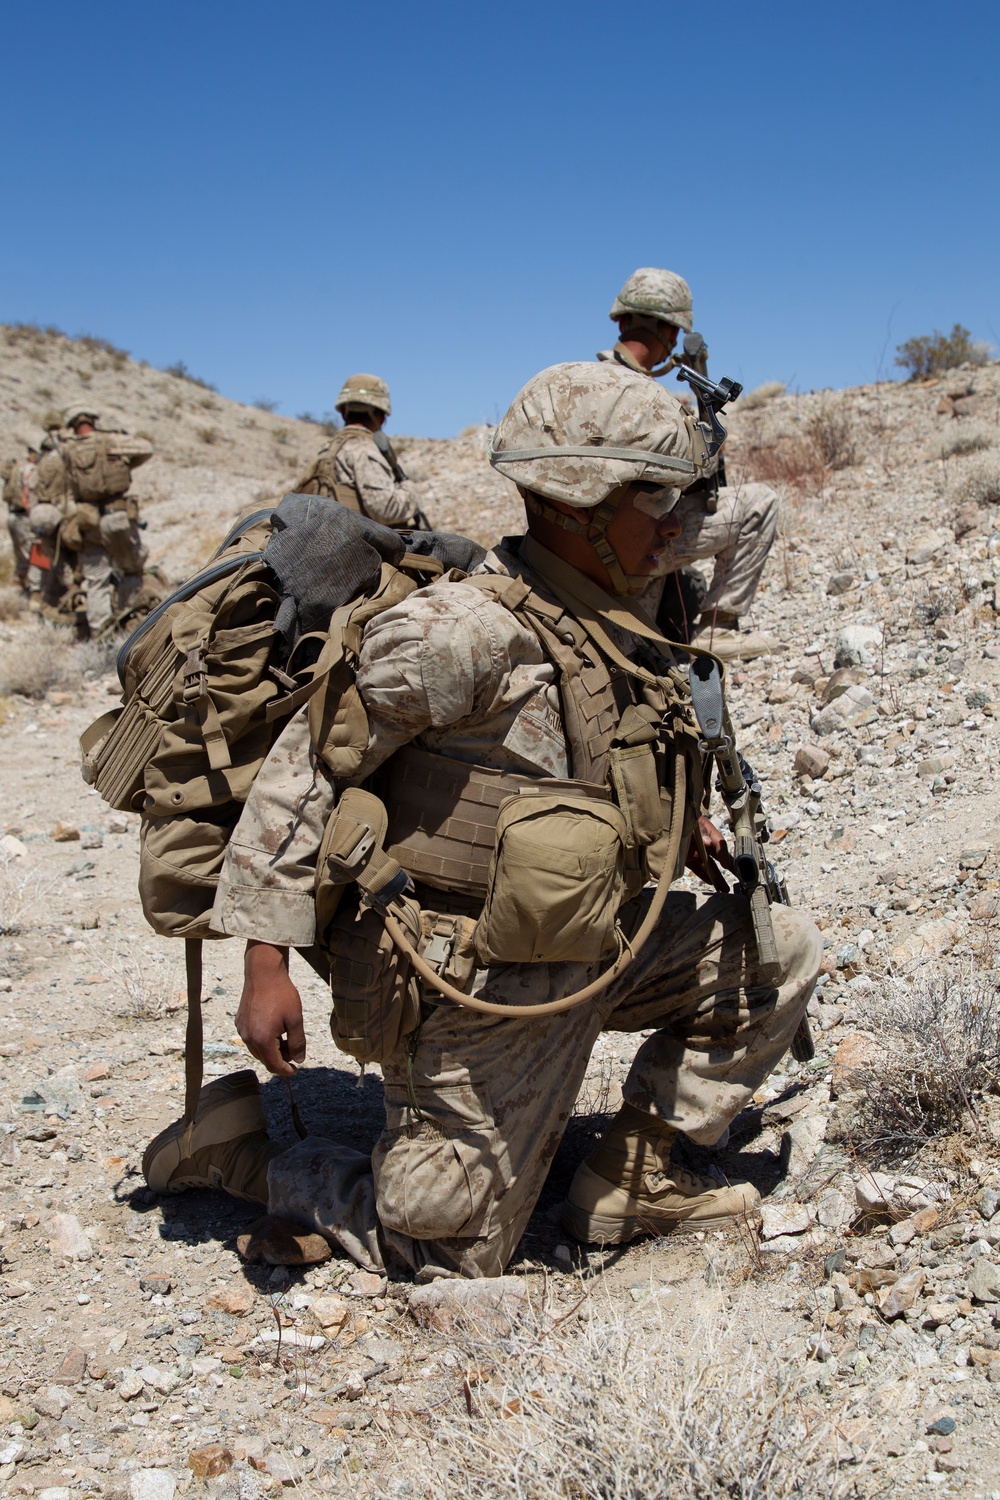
[{"x": 486, "y": 771}]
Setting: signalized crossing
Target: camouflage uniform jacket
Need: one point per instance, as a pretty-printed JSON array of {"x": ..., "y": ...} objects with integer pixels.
[
  {"x": 449, "y": 669},
  {"x": 52, "y": 486},
  {"x": 358, "y": 464}
]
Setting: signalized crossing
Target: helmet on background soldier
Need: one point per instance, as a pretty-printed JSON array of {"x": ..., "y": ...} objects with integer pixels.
[
  {"x": 578, "y": 431},
  {"x": 653, "y": 293},
  {"x": 364, "y": 390},
  {"x": 79, "y": 411}
]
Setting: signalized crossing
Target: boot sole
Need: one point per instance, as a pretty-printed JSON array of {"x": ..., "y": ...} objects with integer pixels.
[
  {"x": 219, "y": 1102},
  {"x": 602, "y": 1229}
]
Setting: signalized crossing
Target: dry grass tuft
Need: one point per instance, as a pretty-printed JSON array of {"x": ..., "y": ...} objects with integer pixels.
[
  {"x": 971, "y": 437},
  {"x": 691, "y": 1407},
  {"x": 834, "y": 436},
  {"x": 939, "y": 1054},
  {"x": 979, "y": 484},
  {"x": 794, "y": 462},
  {"x": 761, "y": 395},
  {"x": 41, "y": 657},
  {"x": 24, "y": 894}
]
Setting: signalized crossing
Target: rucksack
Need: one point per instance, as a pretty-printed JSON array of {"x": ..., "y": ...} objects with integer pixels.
[
  {"x": 209, "y": 679},
  {"x": 95, "y": 471}
]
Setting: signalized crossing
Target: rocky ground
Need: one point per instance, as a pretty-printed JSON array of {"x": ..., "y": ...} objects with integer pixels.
[{"x": 140, "y": 1354}]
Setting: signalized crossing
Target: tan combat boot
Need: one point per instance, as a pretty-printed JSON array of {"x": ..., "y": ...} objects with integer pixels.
[
  {"x": 628, "y": 1186},
  {"x": 720, "y": 633},
  {"x": 229, "y": 1146}
]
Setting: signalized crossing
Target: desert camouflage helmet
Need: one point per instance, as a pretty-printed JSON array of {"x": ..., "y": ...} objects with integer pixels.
[
  {"x": 578, "y": 431},
  {"x": 36, "y": 441},
  {"x": 79, "y": 411},
  {"x": 364, "y": 390},
  {"x": 654, "y": 293}
]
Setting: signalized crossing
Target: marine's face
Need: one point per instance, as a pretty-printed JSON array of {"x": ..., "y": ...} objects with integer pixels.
[{"x": 638, "y": 534}]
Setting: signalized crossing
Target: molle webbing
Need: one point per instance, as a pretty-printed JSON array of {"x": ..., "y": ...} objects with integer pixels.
[{"x": 443, "y": 817}]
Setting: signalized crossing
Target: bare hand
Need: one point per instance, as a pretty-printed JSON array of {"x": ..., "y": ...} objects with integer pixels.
[
  {"x": 269, "y": 1018},
  {"x": 717, "y": 851}
]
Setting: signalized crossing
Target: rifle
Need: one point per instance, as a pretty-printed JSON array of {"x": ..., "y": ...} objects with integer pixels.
[
  {"x": 383, "y": 443},
  {"x": 759, "y": 881}
]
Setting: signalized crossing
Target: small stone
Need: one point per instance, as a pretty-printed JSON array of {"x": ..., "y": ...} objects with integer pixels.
[
  {"x": 811, "y": 760},
  {"x": 211, "y": 1461},
  {"x": 330, "y": 1312},
  {"x": 68, "y": 1239},
  {"x": 130, "y": 1385},
  {"x": 161, "y": 1378},
  {"x": 901, "y": 1234},
  {"x": 921, "y": 549},
  {"x": 839, "y": 681},
  {"x": 96, "y": 1072},
  {"x": 857, "y": 646},
  {"x": 943, "y": 1427},
  {"x": 839, "y": 583},
  {"x": 12, "y": 1453},
  {"x": 283, "y": 1468},
  {"x": 365, "y": 1284},
  {"x": 72, "y": 1368},
  {"x": 786, "y": 1218},
  {"x": 51, "y": 1403},
  {"x": 984, "y": 1282},
  {"x": 935, "y": 765},
  {"x": 157, "y": 1282},
  {"x": 485, "y": 1307},
  {"x": 851, "y": 710},
  {"x": 65, "y": 833},
  {"x": 151, "y": 1484},
  {"x": 236, "y": 1299},
  {"x": 873, "y": 1191},
  {"x": 12, "y": 847},
  {"x": 900, "y": 1297},
  {"x": 833, "y": 1209}
]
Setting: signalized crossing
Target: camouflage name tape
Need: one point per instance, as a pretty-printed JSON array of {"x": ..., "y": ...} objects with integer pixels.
[{"x": 594, "y": 450}]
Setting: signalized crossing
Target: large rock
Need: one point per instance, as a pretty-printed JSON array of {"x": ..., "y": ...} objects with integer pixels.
[
  {"x": 151, "y": 1484},
  {"x": 900, "y": 1297},
  {"x": 853, "y": 708},
  {"x": 984, "y": 1282},
  {"x": 488, "y": 1307},
  {"x": 786, "y": 1218},
  {"x": 930, "y": 940},
  {"x": 921, "y": 549},
  {"x": 858, "y": 646},
  {"x": 811, "y": 760}
]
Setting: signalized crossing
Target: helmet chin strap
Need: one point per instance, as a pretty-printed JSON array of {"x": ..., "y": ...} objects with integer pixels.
[{"x": 594, "y": 531}]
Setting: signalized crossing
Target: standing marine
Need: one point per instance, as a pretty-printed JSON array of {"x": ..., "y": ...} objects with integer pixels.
[
  {"x": 525, "y": 763},
  {"x": 358, "y": 465},
  {"x": 19, "y": 481},
  {"x": 733, "y": 525},
  {"x": 101, "y": 520}
]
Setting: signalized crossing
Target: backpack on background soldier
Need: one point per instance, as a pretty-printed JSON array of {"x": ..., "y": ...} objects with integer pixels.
[{"x": 210, "y": 677}]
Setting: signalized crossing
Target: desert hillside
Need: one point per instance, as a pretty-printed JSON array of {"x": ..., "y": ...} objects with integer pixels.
[{"x": 853, "y": 1349}]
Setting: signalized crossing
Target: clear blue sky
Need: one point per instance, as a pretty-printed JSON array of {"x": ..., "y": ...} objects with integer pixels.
[{"x": 450, "y": 194}]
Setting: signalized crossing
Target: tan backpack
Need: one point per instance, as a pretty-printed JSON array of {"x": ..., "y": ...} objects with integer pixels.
[
  {"x": 209, "y": 679},
  {"x": 95, "y": 471}
]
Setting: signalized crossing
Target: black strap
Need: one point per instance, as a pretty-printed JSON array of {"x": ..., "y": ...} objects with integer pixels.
[{"x": 193, "y": 1037}]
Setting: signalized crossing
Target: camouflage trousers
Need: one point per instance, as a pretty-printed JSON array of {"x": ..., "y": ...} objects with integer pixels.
[
  {"x": 112, "y": 570},
  {"x": 476, "y": 1105},
  {"x": 21, "y": 538},
  {"x": 738, "y": 536}
]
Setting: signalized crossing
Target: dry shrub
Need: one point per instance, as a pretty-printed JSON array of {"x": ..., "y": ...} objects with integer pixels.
[
  {"x": 761, "y": 395},
  {"x": 979, "y": 484},
  {"x": 41, "y": 657},
  {"x": 795, "y": 462},
  {"x": 933, "y": 353},
  {"x": 685, "y": 1406},
  {"x": 968, "y": 437},
  {"x": 939, "y": 1052},
  {"x": 833, "y": 434},
  {"x": 24, "y": 895}
]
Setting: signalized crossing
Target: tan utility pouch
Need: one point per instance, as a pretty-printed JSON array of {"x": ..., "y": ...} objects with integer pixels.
[
  {"x": 81, "y": 527},
  {"x": 557, "y": 878}
]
